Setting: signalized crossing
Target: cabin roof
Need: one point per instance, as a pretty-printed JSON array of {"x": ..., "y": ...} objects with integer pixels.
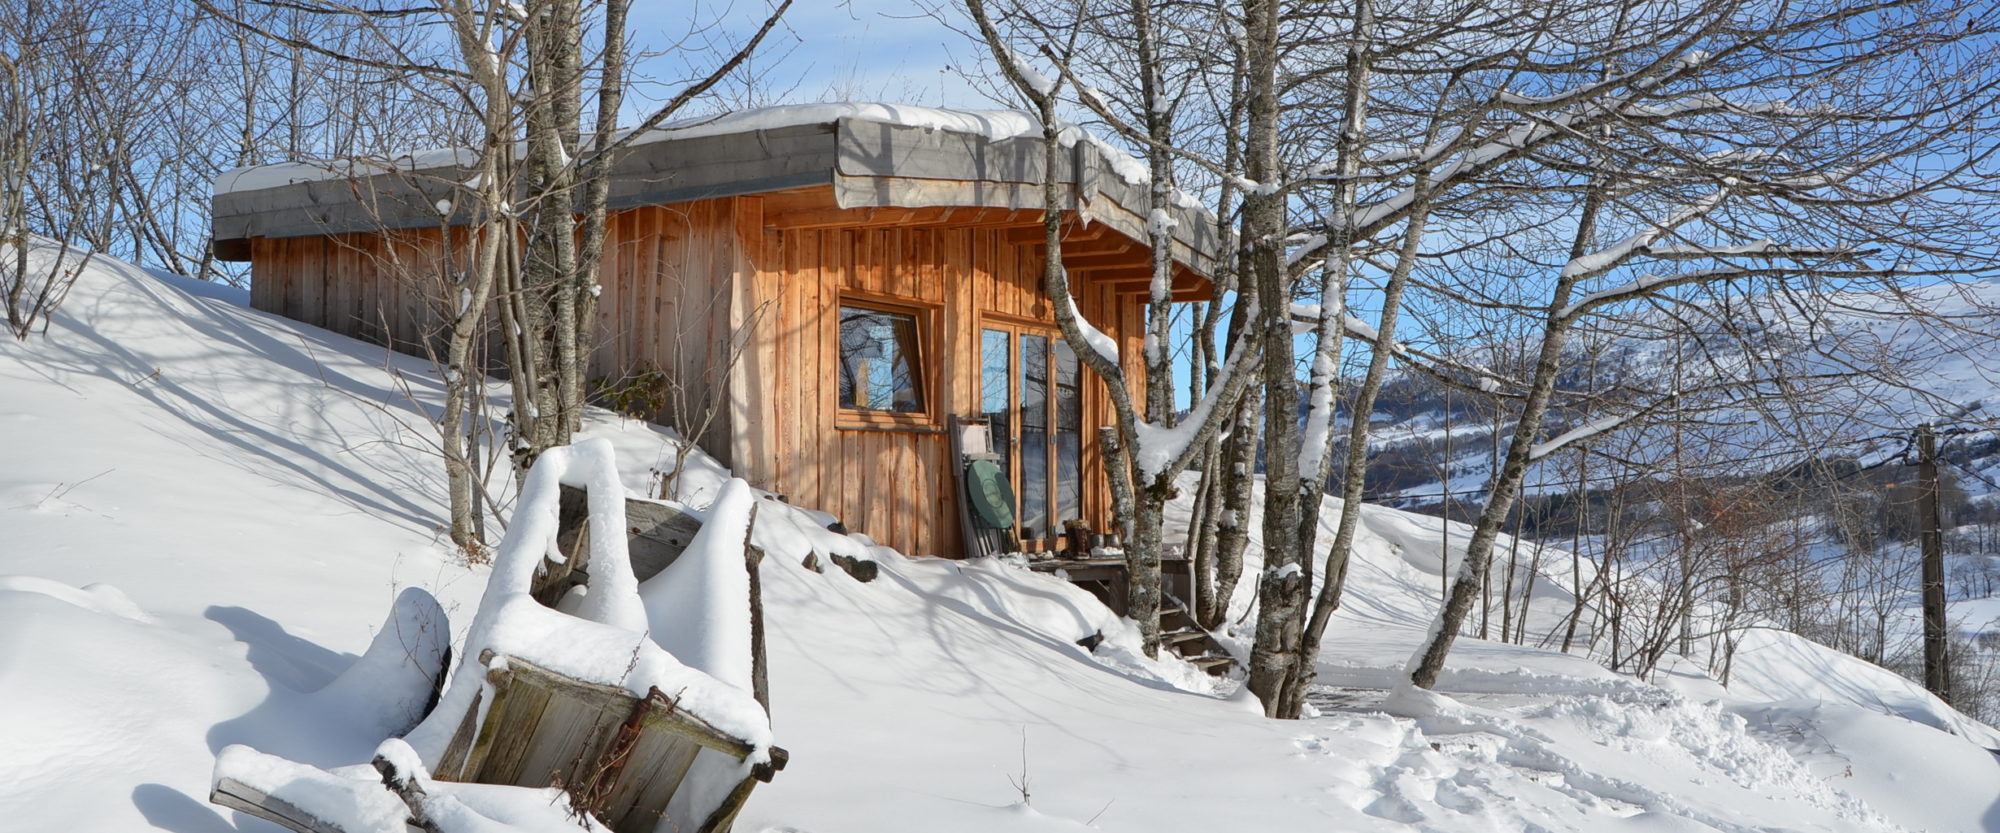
[{"x": 871, "y": 155}]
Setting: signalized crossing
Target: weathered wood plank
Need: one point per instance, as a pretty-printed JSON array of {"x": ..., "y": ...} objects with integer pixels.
[
  {"x": 659, "y": 762},
  {"x": 570, "y": 737},
  {"x": 657, "y": 532},
  {"x": 451, "y": 765},
  {"x": 236, "y": 795},
  {"x": 801, "y": 333},
  {"x": 519, "y": 674},
  {"x": 725, "y": 815},
  {"x": 510, "y": 726},
  {"x": 547, "y": 728}
]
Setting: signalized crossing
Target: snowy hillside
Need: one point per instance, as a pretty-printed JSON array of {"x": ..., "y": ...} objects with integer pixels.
[
  {"x": 206, "y": 511},
  {"x": 1882, "y": 368}
]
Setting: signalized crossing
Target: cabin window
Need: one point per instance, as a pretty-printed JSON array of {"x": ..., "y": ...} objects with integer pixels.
[
  {"x": 996, "y": 376},
  {"x": 1031, "y": 393},
  {"x": 881, "y": 361}
]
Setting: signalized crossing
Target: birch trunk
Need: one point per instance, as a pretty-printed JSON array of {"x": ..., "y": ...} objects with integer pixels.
[
  {"x": 1507, "y": 484},
  {"x": 1282, "y": 588}
]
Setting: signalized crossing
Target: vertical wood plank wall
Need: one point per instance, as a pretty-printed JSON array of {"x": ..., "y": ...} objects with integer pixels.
[
  {"x": 895, "y": 483},
  {"x": 683, "y": 281},
  {"x": 383, "y": 289},
  {"x": 667, "y": 304}
]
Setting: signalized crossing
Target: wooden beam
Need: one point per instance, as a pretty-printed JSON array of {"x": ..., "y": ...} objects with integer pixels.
[
  {"x": 1188, "y": 286},
  {"x": 825, "y": 218},
  {"x": 1183, "y": 280},
  {"x": 236, "y": 795},
  {"x": 1086, "y": 262},
  {"x": 1072, "y": 232},
  {"x": 955, "y": 216},
  {"x": 1112, "y": 274},
  {"x": 1013, "y": 218},
  {"x": 1108, "y": 244}
]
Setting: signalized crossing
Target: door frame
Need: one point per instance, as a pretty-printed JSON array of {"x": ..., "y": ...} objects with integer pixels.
[{"x": 1015, "y": 328}]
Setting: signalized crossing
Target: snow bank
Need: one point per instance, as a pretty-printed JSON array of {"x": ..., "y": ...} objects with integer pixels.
[{"x": 386, "y": 691}]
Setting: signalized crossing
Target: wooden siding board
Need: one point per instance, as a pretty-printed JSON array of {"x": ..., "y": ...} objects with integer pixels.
[
  {"x": 787, "y": 423},
  {"x": 819, "y": 334},
  {"x": 681, "y": 280},
  {"x": 312, "y": 282}
]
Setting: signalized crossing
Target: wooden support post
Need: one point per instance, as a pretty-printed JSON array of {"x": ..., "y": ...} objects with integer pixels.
[
  {"x": 1937, "y": 677},
  {"x": 760, "y": 686}
]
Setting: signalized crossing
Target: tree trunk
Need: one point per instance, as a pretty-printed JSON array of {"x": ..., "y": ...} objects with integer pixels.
[
  {"x": 1282, "y": 588},
  {"x": 1506, "y": 486},
  {"x": 1238, "y": 462}
]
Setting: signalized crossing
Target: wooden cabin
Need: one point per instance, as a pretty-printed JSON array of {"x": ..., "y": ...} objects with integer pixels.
[{"x": 874, "y": 270}]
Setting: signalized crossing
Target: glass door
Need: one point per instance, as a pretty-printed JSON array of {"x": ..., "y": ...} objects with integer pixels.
[
  {"x": 1031, "y": 395},
  {"x": 1033, "y": 415}
]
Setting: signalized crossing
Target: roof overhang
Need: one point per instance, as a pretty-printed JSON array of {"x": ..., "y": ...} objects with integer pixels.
[{"x": 867, "y": 162}]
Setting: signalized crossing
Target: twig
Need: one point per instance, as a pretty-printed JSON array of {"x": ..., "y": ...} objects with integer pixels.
[{"x": 1022, "y": 785}]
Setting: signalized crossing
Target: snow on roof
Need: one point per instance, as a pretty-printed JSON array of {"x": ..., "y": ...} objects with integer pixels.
[{"x": 992, "y": 125}]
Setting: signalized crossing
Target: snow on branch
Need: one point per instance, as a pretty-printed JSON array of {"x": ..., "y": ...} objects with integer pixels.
[
  {"x": 1650, "y": 283},
  {"x": 1605, "y": 259},
  {"x": 1431, "y": 364},
  {"x": 1101, "y": 344},
  {"x": 1760, "y": 248},
  {"x": 1160, "y": 449},
  {"x": 1028, "y": 74},
  {"x": 1579, "y": 434}
]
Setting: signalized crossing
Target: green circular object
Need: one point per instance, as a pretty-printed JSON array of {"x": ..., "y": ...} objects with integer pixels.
[{"x": 992, "y": 499}]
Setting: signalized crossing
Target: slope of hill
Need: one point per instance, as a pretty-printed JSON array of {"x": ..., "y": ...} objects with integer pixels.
[
  {"x": 1865, "y": 370},
  {"x": 205, "y": 511}
]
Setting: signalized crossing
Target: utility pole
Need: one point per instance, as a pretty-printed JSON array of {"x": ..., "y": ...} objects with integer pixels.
[{"x": 1931, "y": 517}]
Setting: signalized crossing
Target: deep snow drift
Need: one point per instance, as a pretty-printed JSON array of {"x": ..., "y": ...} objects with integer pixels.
[{"x": 207, "y": 512}]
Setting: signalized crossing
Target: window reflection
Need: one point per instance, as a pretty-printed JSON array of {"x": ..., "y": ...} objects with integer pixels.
[
  {"x": 996, "y": 370},
  {"x": 880, "y": 366},
  {"x": 1035, "y": 437},
  {"x": 1069, "y": 434}
]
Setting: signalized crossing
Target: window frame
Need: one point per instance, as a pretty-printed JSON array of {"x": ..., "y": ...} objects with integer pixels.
[
  {"x": 924, "y": 315},
  {"x": 1016, "y": 328}
]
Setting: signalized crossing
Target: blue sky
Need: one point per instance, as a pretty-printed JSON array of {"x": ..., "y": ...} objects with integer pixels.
[{"x": 862, "y": 50}]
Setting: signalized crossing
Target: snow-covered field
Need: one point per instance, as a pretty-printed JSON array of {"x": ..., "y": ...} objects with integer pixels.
[{"x": 205, "y": 513}]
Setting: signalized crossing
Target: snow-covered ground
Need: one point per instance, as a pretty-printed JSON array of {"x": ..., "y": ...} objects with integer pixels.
[{"x": 205, "y": 513}]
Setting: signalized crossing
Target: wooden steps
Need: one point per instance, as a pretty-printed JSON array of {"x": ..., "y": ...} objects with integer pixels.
[
  {"x": 1180, "y": 634},
  {"x": 1215, "y": 666},
  {"x": 1105, "y": 578}
]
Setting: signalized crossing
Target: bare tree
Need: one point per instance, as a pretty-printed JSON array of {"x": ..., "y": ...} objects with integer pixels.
[
  {"x": 523, "y": 236},
  {"x": 1145, "y": 450},
  {"x": 48, "y": 53},
  {"x": 1653, "y": 161}
]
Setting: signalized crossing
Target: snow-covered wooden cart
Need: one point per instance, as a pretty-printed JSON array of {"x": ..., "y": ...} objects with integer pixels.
[{"x": 622, "y": 693}]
